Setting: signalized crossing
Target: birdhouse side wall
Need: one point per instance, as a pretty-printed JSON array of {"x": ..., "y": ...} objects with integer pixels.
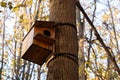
[{"x": 27, "y": 41}]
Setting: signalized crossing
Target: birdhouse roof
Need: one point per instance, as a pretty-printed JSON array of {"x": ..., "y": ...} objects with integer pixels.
[{"x": 44, "y": 24}]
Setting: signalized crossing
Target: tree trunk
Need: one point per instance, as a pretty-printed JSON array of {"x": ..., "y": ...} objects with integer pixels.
[
  {"x": 81, "y": 27},
  {"x": 3, "y": 50},
  {"x": 63, "y": 68}
]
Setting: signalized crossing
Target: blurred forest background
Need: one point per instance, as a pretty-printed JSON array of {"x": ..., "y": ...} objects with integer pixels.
[{"x": 17, "y": 16}]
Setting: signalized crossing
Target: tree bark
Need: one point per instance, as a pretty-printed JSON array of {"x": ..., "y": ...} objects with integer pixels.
[{"x": 63, "y": 68}]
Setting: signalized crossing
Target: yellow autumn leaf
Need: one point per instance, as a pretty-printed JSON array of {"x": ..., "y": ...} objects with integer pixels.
[
  {"x": 16, "y": 8},
  {"x": 29, "y": 2},
  {"x": 5, "y": 56},
  {"x": 105, "y": 17},
  {"x": 3, "y": 4},
  {"x": 116, "y": 12},
  {"x": 103, "y": 56}
]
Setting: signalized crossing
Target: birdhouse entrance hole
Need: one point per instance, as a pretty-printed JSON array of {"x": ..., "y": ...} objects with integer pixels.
[{"x": 47, "y": 33}]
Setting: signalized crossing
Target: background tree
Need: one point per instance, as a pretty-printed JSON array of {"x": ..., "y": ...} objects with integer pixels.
[
  {"x": 97, "y": 56},
  {"x": 81, "y": 25}
]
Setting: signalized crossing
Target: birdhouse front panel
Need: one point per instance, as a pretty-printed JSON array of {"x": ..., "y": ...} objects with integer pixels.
[
  {"x": 39, "y": 42},
  {"x": 48, "y": 32}
]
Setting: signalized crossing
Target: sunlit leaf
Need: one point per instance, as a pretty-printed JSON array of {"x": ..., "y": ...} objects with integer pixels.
[
  {"x": 21, "y": 17},
  {"x": 5, "y": 56},
  {"x": 105, "y": 17},
  {"x": 103, "y": 56},
  {"x": 3, "y": 4},
  {"x": 16, "y": 7},
  {"x": 8, "y": 41},
  {"x": 30, "y": 2},
  {"x": 12, "y": 62},
  {"x": 9, "y": 3}
]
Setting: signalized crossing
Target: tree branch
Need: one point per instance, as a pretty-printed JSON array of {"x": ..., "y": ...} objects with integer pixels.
[{"x": 99, "y": 38}]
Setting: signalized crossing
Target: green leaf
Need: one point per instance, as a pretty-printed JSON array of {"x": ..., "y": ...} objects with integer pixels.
[{"x": 3, "y": 4}]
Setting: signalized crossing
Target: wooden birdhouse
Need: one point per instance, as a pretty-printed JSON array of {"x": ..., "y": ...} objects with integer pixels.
[{"x": 39, "y": 42}]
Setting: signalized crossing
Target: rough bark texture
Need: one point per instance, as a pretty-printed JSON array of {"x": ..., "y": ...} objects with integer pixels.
[{"x": 62, "y": 68}]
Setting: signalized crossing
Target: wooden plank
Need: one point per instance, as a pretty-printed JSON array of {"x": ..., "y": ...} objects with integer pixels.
[
  {"x": 45, "y": 39},
  {"x": 27, "y": 42},
  {"x": 44, "y": 24},
  {"x": 36, "y": 54}
]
